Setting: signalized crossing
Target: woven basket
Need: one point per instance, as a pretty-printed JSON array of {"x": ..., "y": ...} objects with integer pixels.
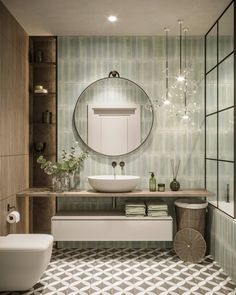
[
  {"x": 190, "y": 245},
  {"x": 191, "y": 218}
]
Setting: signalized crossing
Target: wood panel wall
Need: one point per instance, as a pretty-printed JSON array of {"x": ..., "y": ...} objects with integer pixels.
[{"x": 14, "y": 115}]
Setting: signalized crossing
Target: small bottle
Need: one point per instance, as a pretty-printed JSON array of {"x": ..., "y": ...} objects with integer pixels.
[
  {"x": 161, "y": 187},
  {"x": 152, "y": 183}
]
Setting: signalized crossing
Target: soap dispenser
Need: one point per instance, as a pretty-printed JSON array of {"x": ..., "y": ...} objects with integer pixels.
[{"x": 152, "y": 182}]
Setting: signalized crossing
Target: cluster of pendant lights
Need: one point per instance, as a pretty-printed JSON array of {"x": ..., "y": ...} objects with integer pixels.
[{"x": 180, "y": 88}]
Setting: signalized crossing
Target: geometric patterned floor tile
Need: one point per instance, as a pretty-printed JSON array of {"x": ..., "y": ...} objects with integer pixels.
[{"x": 129, "y": 272}]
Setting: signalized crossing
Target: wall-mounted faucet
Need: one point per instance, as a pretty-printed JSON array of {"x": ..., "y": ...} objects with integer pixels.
[
  {"x": 122, "y": 165},
  {"x": 114, "y": 164}
]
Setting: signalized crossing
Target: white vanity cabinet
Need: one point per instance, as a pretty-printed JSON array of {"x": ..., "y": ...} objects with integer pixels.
[{"x": 110, "y": 226}]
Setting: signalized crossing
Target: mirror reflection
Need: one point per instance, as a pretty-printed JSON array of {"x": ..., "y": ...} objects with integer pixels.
[{"x": 111, "y": 116}]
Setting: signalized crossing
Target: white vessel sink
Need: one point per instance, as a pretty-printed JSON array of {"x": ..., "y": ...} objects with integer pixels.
[{"x": 111, "y": 184}]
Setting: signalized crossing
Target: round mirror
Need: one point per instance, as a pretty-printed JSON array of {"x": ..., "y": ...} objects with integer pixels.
[{"x": 113, "y": 116}]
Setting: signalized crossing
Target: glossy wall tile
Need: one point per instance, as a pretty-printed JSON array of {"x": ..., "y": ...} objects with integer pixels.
[
  {"x": 221, "y": 234},
  {"x": 82, "y": 60}
]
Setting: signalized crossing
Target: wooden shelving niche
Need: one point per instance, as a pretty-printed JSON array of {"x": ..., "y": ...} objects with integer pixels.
[{"x": 43, "y": 119}]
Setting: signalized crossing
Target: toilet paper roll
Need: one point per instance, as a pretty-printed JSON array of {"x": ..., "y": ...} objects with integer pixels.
[{"x": 13, "y": 217}]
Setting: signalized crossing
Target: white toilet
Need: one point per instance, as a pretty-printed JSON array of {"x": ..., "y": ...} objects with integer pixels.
[{"x": 23, "y": 259}]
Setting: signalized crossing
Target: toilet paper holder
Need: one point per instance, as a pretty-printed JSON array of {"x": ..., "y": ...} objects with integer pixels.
[{"x": 10, "y": 207}]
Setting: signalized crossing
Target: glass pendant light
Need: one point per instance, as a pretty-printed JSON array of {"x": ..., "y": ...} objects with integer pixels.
[
  {"x": 183, "y": 83},
  {"x": 164, "y": 100},
  {"x": 189, "y": 107}
]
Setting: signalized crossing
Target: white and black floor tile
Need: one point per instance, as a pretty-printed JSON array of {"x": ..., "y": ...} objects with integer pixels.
[{"x": 129, "y": 272}]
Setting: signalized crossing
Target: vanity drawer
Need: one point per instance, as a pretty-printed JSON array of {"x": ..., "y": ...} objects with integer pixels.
[{"x": 74, "y": 228}]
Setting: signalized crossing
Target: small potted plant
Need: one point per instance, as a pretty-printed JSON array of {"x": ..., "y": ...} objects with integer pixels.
[{"x": 62, "y": 171}]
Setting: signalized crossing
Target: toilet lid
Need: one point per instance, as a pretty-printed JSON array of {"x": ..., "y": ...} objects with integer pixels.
[{"x": 25, "y": 242}]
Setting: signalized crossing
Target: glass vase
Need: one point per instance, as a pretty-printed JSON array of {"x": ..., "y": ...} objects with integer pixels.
[
  {"x": 61, "y": 182},
  {"x": 174, "y": 185},
  {"x": 66, "y": 183},
  {"x": 57, "y": 185},
  {"x": 75, "y": 180}
]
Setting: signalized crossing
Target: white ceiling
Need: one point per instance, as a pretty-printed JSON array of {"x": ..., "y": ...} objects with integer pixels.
[{"x": 136, "y": 17}]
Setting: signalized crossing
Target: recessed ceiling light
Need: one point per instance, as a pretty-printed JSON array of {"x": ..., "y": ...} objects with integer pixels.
[{"x": 112, "y": 18}]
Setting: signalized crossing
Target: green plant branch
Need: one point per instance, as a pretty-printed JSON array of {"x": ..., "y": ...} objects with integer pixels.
[{"x": 70, "y": 162}]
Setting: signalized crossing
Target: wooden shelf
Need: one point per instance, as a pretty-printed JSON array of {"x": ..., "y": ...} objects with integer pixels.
[
  {"x": 43, "y": 64},
  {"x": 43, "y": 94},
  {"x": 45, "y": 192},
  {"x": 44, "y": 124}
]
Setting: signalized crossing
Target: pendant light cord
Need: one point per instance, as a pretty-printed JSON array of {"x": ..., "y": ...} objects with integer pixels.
[
  {"x": 185, "y": 65},
  {"x": 185, "y": 47},
  {"x": 167, "y": 64},
  {"x": 180, "y": 46}
]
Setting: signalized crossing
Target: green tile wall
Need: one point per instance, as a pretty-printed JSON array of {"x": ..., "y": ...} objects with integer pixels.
[
  {"x": 221, "y": 238},
  {"x": 82, "y": 60}
]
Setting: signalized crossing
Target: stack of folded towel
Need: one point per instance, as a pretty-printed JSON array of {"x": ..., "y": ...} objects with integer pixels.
[
  {"x": 156, "y": 208},
  {"x": 135, "y": 209}
]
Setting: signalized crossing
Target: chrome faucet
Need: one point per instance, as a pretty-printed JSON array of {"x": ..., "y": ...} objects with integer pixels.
[
  {"x": 122, "y": 165},
  {"x": 114, "y": 164}
]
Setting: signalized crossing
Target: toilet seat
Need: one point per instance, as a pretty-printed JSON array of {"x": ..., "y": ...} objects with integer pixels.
[{"x": 25, "y": 242}]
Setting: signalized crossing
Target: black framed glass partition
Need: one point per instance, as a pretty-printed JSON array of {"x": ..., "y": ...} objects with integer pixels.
[{"x": 220, "y": 150}]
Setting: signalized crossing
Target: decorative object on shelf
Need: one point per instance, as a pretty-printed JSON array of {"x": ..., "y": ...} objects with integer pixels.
[
  {"x": 59, "y": 183},
  {"x": 152, "y": 182},
  {"x": 39, "y": 55},
  {"x": 175, "y": 185},
  {"x": 63, "y": 170},
  {"x": 39, "y": 146},
  {"x": 40, "y": 89},
  {"x": 161, "y": 187},
  {"x": 47, "y": 117}
]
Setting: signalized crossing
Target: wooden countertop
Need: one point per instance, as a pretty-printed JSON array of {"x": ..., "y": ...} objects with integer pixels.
[{"x": 45, "y": 192}]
